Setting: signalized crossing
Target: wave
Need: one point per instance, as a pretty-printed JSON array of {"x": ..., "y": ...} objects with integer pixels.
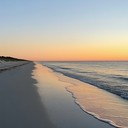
[
  {"x": 118, "y": 90},
  {"x": 121, "y": 78},
  {"x": 116, "y": 116},
  {"x": 92, "y": 113}
]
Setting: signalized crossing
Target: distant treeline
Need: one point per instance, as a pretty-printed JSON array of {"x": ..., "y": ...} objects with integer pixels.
[{"x": 4, "y": 58}]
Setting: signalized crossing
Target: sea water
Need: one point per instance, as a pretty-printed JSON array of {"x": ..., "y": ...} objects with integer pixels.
[{"x": 106, "y": 94}]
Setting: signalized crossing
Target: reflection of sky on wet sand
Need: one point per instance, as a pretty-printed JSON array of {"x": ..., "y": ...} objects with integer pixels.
[
  {"x": 106, "y": 105},
  {"x": 59, "y": 103}
]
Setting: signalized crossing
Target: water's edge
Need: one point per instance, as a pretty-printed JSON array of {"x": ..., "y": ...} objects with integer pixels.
[
  {"x": 82, "y": 107},
  {"x": 113, "y": 90},
  {"x": 91, "y": 113}
]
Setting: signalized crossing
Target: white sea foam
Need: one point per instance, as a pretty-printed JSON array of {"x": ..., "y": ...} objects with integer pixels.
[
  {"x": 92, "y": 113},
  {"x": 95, "y": 114}
]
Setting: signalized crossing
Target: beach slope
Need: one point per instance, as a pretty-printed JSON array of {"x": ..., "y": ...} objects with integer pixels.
[{"x": 20, "y": 105}]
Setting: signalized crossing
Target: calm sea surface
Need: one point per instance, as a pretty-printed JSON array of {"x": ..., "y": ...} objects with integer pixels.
[{"x": 110, "y": 105}]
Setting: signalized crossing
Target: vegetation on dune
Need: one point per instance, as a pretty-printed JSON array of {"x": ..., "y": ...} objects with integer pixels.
[{"x": 4, "y": 58}]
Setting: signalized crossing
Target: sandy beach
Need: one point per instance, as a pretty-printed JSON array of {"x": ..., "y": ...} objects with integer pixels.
[
  {"x": 20, "y": 104},
  {"x": 6, "y": 65},
  {"x": 31, "y": 96}
]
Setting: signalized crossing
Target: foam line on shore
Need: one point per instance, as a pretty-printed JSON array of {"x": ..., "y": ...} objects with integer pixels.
[
  {"x": 91, "y": 113},
  {"x": 82, "y": 107}
]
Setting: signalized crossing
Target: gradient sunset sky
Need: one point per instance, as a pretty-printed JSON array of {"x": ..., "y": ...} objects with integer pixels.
[{"x": 64, "y": 29}]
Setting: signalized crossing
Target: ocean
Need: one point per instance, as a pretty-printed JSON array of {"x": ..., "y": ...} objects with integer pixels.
[{"x": 108, "y": 93}]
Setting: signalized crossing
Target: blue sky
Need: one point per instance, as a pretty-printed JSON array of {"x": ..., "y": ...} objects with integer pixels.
[{"x": 63, "y": 14}]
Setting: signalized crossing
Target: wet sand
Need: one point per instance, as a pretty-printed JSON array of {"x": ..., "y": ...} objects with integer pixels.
[
  {"x": 61, "y": 107},
  {"x": 20, "y": 103}
]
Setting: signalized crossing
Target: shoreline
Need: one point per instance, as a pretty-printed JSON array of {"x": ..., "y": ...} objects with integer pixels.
[
  {"x": 58, "y": 94},
  {"x": 91, "y": 113},
  {"x": 96, "y": 116},
  {"x": 104, "y": 87},
  {"x": 63, "y": 78}
]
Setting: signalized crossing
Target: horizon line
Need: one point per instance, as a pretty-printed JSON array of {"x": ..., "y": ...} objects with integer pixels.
[{"x": 83, "y": 60}]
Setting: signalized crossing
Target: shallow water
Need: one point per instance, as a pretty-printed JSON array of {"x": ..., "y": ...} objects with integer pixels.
[
  {"x": 98, "y": 102},
  {"x": 110, "y": 76}
]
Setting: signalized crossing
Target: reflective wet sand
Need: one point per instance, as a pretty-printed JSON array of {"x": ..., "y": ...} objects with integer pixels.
[
  {"x": 59, "y": 103},
  {"x": 98, "y": 102}
]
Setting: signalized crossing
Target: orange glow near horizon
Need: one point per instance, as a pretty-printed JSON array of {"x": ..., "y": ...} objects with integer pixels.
[
  {"x": 74, "y": 48},
  {"x": 85, "y": 52},
  {"x": 68, "y": 52}
]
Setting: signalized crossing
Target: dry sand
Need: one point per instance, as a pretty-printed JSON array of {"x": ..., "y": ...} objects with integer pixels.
[{"x": 20, "y": 105}]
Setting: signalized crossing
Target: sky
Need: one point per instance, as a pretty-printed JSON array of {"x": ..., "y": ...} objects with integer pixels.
[{"x": 62, "y": 30}]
